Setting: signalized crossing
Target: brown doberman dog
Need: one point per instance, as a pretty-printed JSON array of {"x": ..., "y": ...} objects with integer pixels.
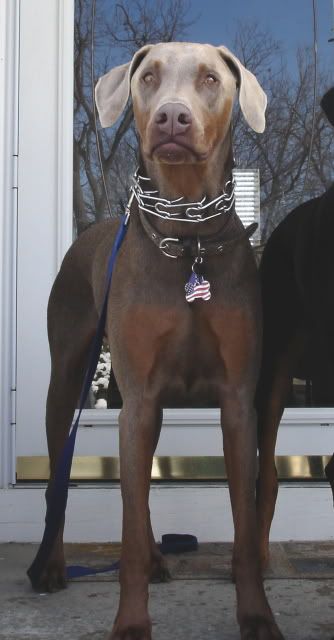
[
  {"x": 165, "y": 348},
  {"x": 296, "y": 274}
]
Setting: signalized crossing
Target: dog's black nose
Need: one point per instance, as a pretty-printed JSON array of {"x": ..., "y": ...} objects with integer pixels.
[{"x": 173, "y": 118}]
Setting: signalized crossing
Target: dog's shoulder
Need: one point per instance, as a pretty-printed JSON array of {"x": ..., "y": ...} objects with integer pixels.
[{"x": 81, "y": 254}]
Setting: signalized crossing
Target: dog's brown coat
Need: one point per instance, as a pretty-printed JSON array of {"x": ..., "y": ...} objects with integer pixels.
[{"x": 163, "y": 349}]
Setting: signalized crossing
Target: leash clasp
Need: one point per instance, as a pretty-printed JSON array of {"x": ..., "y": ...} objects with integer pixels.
[{"x": 128, "y": 207}]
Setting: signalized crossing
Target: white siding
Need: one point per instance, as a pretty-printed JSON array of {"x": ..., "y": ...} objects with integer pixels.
[{"x": 247, "y": 198}]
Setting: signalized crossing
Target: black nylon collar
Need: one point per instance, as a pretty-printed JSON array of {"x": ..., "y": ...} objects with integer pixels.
[{"x": 192, "y": 245}]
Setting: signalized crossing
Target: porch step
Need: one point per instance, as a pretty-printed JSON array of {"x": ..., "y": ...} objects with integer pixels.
[{"x": 293, "y": 560}]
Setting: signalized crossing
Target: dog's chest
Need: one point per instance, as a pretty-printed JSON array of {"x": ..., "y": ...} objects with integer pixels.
[
  {"x": 192, "y": 367},
  {"x": 175, "y": 351}
]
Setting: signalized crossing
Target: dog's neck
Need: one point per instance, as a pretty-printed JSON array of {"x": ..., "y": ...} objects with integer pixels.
[{"x": 192, "y": 182}]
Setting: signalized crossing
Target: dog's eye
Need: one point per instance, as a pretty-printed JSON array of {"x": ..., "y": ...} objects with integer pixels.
[
  {"x": 210, "y": 79},
  {"x": 148, "y": 77}
]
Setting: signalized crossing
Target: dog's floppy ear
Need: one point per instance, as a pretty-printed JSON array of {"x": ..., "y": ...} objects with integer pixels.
[
  {"x": 252, "y": 98},
  {"x": 113, "y": 89}
]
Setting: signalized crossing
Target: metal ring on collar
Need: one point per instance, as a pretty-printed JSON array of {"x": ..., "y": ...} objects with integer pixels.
[{"x": 164, "y": 244}]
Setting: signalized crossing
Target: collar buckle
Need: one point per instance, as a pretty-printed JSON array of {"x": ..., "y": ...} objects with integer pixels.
[{"x": 164, "y": 244}]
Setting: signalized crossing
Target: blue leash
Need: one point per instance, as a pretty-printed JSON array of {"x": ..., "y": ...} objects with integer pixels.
[
  {"x": 170, "y": 543},
  {"x": 57, "y": 499}
]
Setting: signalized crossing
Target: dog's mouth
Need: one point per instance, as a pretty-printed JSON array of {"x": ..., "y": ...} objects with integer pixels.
[{"x": 174, "y": 151}]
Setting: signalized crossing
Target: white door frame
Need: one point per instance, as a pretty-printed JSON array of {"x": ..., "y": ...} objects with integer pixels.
[
  {"x": 45, "y": 174},
  {"x": 61, "y": 145},
  {"x": 9, "y": 54}
]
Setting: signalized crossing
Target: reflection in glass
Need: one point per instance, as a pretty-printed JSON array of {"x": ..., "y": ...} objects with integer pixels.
[{"x": 280, "y": 155}]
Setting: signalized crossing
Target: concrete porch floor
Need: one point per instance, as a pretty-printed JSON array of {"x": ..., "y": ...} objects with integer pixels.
[{"x": 199, "y": 601}]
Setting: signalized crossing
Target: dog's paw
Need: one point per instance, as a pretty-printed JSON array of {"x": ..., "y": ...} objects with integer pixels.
[
  {"x": 53, "y": 578},
  {"x": 259, "y": 628},
  {"x": 123, "y": 630}
]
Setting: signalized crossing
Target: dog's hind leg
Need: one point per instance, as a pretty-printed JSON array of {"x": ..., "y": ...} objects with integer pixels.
[
  {"x": 71, "y": 323},
  {"x": 270, "y": 410},
  {"x": 159, "y": 571},
  {"x": 272, "y": 396}
]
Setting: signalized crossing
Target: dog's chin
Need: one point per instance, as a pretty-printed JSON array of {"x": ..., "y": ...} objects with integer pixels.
[{"x": 173, "y": 153}]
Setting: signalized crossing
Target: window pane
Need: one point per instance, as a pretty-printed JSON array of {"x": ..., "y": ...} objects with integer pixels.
[{"x": 290, "y": 163}]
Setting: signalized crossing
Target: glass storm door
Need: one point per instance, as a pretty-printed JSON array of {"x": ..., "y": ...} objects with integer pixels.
[{"x": 60, "y": 192}]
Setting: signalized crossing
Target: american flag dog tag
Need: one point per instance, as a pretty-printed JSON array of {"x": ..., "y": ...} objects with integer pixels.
[{"x": 197, "y": 287}]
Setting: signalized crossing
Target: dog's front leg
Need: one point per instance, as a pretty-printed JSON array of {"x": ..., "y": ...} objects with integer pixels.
[
  {"x": 239, "y": 428},
  {"x": 138, "y": 426}
]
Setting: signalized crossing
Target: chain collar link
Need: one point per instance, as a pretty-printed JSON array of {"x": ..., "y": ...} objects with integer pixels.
[{"x": 177, "y": 210}]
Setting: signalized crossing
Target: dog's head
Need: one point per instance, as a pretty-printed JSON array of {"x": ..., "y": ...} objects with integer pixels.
[
  {"x": 183, "y": 97},
  {"x": 327, "y": 104}
]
